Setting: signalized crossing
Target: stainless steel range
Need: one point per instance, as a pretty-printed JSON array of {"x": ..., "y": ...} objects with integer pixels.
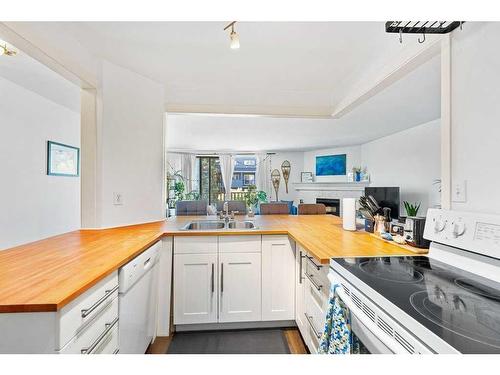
[{"x": 446, "y": 302}]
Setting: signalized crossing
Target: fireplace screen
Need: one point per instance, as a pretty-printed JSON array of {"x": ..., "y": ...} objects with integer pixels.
[{"x": 332, "y": 205}]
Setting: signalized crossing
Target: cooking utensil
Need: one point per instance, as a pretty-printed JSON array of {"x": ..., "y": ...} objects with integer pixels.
[
  {"x": 366, "y": 214},
  {"x": 373, "y": 202}
]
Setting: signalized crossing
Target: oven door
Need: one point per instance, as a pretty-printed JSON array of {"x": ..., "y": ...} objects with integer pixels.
[
  {"x": 364, "y": 341},
  {"x": 365, "y": 331}
]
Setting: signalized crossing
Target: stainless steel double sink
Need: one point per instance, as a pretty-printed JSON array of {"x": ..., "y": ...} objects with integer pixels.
[{"x": 219, "y": 225}]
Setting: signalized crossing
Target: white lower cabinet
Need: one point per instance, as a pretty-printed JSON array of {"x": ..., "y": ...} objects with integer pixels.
[
  {"x": 217, "y": 279},
  {"x": 240, "y": 287},
  {"x": 278, "y": 278},
  {"x": 195, "y": 289}
]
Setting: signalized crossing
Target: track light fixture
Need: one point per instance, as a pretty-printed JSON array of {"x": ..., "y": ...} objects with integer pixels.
[
  {"x": 233, "y": 36},
  {"x": 4, "y": 50}
]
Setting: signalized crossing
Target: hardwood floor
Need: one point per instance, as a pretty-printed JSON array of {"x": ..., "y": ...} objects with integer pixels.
[
  {"x": 292, "y": 335},
  {"x": 160, "y": 345},
  {"x": 295, "y": 342}
]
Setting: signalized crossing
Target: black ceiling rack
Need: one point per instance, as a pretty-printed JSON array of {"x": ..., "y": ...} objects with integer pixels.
[{"x": 421, "y": 27}]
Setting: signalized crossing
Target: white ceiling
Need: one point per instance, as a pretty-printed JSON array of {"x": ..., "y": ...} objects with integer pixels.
[
  {"x": 34, "y": 76},
  {"x": 413, "y": 100},
  {"x": 303, "y": 68}
]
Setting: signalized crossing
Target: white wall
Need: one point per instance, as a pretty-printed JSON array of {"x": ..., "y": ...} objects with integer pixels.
[
  {"x": 33, "y": 204},
  {"x": 353, "y": 159},
  {"x": 296, "y": 160},
  {"x": 130, "y": 150},
  {"x": 475, "y": 117},
  {"x": 409, "y": 159}
]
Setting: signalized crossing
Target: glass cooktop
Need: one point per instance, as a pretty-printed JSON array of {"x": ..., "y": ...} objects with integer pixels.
[{"x": 461, "y": 308}]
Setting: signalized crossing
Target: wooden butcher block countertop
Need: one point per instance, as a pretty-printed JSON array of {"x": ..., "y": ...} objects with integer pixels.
[{"x": 46, "y": 275}]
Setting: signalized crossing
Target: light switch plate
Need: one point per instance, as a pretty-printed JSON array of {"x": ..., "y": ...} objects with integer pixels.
[
  {"x": 117, "y": 199},
  {"x": 459, "y": 191}
]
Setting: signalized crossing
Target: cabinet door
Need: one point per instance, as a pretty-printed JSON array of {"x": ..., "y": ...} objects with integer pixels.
[
  {"x": 240, "y": 287},
  {"x": 300, "y": 289},
  {"x": 278, "y": 278},
  {"x": 195, "y": 289}
]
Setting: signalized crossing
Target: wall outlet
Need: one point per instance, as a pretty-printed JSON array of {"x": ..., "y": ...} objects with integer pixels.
[
  {"x": 117, "y": 199},
  {"x": 459, "y": 191}
]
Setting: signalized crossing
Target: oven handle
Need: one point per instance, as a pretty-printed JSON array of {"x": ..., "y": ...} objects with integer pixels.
[{"x": 387, "y": 340}]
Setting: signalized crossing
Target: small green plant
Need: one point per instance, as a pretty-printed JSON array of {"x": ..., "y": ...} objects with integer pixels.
[
  {"x": 253, "y": 196},
  {"x": 193, "y": 195},
  {"x": 411, "y": 209},
  {"x": 179, "y": 190}
]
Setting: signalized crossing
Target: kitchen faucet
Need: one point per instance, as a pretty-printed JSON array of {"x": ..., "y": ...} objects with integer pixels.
[{"x": 224, "y": 214}]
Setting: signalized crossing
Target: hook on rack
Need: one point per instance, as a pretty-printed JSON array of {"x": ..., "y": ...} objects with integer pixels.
[{"x": 423, "y": 39}]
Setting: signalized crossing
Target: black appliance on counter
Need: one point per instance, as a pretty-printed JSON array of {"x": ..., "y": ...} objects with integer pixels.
[
  {"x": 414, "y": 232},
  {"x": 386, "y": 197}
]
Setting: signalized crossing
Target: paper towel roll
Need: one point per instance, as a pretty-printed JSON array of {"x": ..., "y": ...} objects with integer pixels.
[{"x": 349, "y": 213}]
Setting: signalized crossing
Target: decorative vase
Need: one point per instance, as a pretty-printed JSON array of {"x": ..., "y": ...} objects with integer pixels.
[{"x": 358, "y": 176}]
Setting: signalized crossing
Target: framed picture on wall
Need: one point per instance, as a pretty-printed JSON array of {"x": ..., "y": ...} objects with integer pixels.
[
  {"x": 62, "y": 160},
  {"x": 306, "y": 177},
  {"x": 331, "y": 165}
]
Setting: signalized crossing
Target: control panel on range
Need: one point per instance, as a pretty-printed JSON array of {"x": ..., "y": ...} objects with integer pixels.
[{"x": 475, "y": 232}]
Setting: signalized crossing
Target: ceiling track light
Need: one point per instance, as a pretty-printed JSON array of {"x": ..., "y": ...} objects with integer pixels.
[
  {"x": 4, "y": 50},
  {"x": 233, "y": 36}
]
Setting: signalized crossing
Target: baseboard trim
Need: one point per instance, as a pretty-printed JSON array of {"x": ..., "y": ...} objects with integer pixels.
[{"x": 235, "y": 325}]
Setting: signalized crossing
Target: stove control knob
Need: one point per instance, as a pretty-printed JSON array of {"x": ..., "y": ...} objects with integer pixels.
[
  {"x": 458, "y": 228},
  {"x": 439, "y": 224}
]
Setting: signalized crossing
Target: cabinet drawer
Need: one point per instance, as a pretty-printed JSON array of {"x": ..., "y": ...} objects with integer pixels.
[
  {"x": 91, "y": 337},
  {"x": 316, "y": 306},
  {"x": 195, "y": 245},
  {"x": 82, "y": 311},
  {"x": 240, "y": 244},
  {"x": 109, "y": 343},
  {"x": 317, "y": 274}
]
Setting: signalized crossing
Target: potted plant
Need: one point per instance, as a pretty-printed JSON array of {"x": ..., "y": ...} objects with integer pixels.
[
  {"x": 411, "y": 209},
  {"x": 253, "y": 197},
  {"x": 175, "y": 189}
]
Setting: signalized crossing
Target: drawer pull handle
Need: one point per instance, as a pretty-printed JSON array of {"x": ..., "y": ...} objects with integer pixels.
[
  {"x": 316, "y": 285},
  {"x": 87, "y": 312},
  {"x": 109, "y": 327},
  {"x": 311, "y": 259},
  {"x": 309, "y": 320},
  {"x": 300, "y": 266}
]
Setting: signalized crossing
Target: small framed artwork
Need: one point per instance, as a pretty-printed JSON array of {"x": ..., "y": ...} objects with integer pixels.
[
  {"x": 62, "y": 160},
  {"x": 306, "y": 177}
]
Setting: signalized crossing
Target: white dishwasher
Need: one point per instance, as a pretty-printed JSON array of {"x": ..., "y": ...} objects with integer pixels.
[{"x": 137, "y": 301}]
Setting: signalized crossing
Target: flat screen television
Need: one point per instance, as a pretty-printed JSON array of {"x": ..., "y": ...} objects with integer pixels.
[{"x": 386, "y": 197}]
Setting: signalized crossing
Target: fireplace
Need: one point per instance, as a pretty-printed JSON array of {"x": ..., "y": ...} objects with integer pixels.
[{"x": 332, "y": 205}]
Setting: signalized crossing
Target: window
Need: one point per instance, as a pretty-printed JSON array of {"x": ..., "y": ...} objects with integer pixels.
[
  {"x": 211, "y": 185},
  {"x": 248, "y": 179}
]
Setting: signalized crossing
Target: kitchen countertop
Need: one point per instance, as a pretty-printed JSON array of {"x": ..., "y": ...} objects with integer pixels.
[{"x": 46, "y": 275}]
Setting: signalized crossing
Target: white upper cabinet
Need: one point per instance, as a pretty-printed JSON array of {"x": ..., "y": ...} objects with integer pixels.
[
  {"x": 240, "y": 287},
  {"x": 195, "y": 288},
  {"x": 278, "y": 278}
]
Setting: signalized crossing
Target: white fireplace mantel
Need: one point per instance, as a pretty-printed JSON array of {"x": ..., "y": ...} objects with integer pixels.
[{"x": 330, "y": 186}]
